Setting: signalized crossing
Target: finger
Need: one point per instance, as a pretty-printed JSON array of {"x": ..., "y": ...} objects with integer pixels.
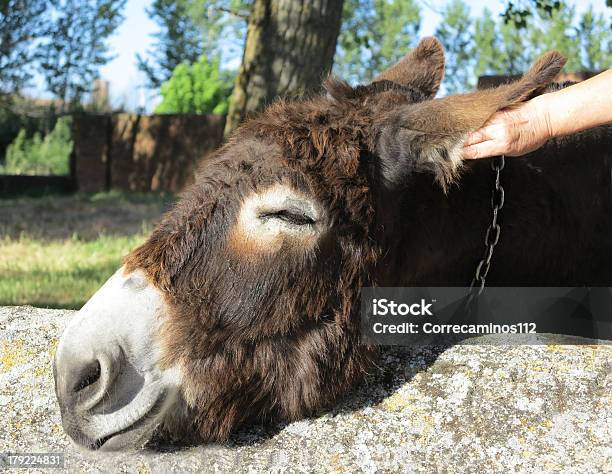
[
  {"x": 481, "y": 135},
  {"x": 473, "y": 138},
  {"x": 482, "y": 150}
]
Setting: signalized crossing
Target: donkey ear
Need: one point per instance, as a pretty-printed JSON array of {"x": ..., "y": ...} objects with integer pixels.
[
  {"x": 422, "y": 68},
  {"x": 428, "y": 135}
]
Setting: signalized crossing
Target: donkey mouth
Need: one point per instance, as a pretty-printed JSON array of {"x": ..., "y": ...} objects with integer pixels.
[
  {"x": 111, "y": 390},
  {"x": 135, "y": 434}
]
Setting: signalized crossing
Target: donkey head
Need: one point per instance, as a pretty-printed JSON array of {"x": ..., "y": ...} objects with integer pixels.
[{"x": 243, "y": 303}]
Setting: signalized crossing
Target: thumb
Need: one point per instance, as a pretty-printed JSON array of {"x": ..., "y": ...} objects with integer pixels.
[{"x": 481, "y": 135}]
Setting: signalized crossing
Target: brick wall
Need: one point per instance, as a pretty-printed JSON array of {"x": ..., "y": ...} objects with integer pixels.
[
  {"x": 142, "y": 152},
  {"x": 90, "y": 135}
]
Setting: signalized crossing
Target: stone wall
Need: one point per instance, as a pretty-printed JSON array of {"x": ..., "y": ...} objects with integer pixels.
[
  {"x": 134, "y": 152},
  {"x": 486, "y": 406}
]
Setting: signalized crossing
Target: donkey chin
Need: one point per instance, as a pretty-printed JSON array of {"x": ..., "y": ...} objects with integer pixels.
[{"x": 111, "y": 390}]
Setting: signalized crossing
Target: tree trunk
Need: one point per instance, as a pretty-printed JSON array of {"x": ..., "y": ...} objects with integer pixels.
[{"x": 289, "y": 49}]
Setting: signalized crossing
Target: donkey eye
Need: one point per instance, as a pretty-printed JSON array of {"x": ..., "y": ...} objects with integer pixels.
[
  {"x": 271, "y": 218},
  {"x": 289, "y": 216}
]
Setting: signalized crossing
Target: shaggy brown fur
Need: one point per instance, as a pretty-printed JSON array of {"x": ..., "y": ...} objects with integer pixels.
[
  {"x": 422, "y": 68},
  {"x": 277, "y": 337}
]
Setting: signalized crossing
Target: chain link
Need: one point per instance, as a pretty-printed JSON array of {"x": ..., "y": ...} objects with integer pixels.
[{"x": 493, "y": 231}]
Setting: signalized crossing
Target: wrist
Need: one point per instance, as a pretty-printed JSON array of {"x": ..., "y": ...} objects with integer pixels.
[{"x": 544, "y": 116}]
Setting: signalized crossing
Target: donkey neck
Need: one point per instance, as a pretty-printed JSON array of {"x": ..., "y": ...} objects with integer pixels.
[{"x": 555, "y": 225}]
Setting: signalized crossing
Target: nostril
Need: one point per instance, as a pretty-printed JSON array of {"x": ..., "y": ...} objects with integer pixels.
[
  {"x": 83, "y": 384},
  {"x": 88, "y": 376}
]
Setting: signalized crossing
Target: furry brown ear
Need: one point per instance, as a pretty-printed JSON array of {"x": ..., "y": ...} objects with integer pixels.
[
  {"x": 428, "y": 135},
  {"x": 422, "y": 68}
]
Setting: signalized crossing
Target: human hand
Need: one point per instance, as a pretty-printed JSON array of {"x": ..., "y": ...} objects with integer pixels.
[{"x": 511, "y": 132}]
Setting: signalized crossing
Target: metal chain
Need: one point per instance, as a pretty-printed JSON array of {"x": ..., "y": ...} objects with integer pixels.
[{"x": 493, "y": 231}]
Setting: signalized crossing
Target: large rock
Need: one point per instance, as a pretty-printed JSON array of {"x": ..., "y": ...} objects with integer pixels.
[{"x": 467, "y": 408}]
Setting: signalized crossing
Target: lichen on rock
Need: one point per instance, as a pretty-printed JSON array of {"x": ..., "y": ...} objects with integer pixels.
[{"x": 466, "y": 408}]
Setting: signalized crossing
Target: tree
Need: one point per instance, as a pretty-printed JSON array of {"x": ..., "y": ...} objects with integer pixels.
[
  {"x": 555, "y": 30},
  {"x": 499, "y": 48},
  {"x": 519, "y": 11},
  {"x": 223, "y": 26},
  {"x": 289, "y": 48},
  {"x": 502, "y": 47},
  {"x": 455, "y": 34},
  {"x": 180, "y": 40},
  {"x": 516, "y": 56},
  {"x": 486, "y": 44},
  {"x": 21, "y": 24},
  {"x": 374, "y": 34},
  {"x": 595, "y": 41},
  {"x": 199, "y": 88},
  {"x": 76, "y": 48}
]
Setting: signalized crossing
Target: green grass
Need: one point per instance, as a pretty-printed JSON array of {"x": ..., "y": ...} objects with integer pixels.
[
  {"x": 61, "y": 274},
  {"x": 56, "y": 251}
]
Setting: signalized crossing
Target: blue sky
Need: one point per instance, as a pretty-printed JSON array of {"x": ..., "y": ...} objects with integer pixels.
[{"x": 134, "y": 36}]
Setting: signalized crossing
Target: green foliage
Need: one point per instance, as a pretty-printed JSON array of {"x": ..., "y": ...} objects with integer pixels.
[
  {"x": 375, "y": 34},
  {"x": 555, "y": 30},
  {"x": 455, "y": 34},
  {"x": 222, "y": 25},
  {"x": 519, "y": 12},
  {"x": 14, "y": 118},
  {"x": 37, "y": 155},
  {"x": 191, "y": 31},
  {"x": 595, "y": 41},
  {"x": 179, "y": 40},
  {"x": 515, "y": 55},
  {"x": 65, "y": 39},
  {"x": 197, "y": 88},
  {"x": 501, "y": 47},
  {"x": 486, "y": 39},
  {"x": 75, "y": 46},
  {"x": 21, "y": 23}
]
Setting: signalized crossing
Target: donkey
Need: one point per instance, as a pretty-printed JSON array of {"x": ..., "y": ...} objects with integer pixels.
[{"x": 243, "y": 304}]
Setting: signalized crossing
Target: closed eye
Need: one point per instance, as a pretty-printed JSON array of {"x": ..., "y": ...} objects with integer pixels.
[
  {"x": 289, "y": 216},
  {"x": 275, "y": 218}
]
